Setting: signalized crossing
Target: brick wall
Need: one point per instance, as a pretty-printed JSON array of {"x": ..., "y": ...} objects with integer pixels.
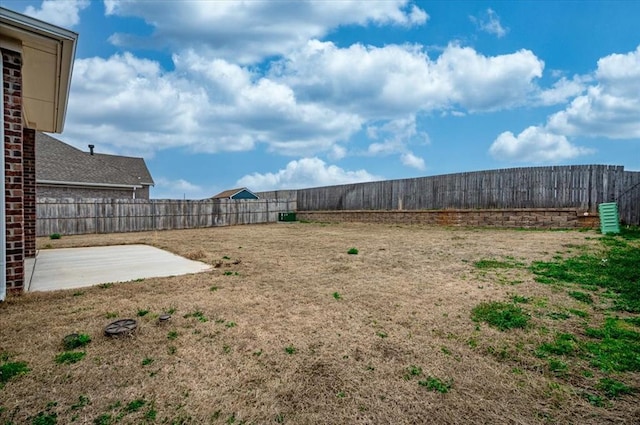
[
  {"x": 559, "y": 218},
  {"x": 142, "y": 193},
  {"x": 29, "y": 188},
  {"x": 84, "y": 192},
  {"x": 14, "y": 190}
]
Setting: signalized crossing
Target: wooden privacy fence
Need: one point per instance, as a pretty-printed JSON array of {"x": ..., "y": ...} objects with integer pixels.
[
  {"x": 582, "y": 187},
  {"x": 79, "y": 216}
]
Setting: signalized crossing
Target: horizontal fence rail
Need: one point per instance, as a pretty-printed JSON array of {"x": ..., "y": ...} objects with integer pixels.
[
  {"x": 69, "y": 216},
  {"x": 581, "y": 187}
]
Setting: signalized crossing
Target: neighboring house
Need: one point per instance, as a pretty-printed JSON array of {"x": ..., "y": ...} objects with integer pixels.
[
  {"x": 37, "y": 60},
  {"x": 242, "y": 193},
  {"x": 63, "y": 171}
]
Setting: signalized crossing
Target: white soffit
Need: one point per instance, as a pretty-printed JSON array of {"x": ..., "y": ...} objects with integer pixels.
[{"x": 48, "y": 52}]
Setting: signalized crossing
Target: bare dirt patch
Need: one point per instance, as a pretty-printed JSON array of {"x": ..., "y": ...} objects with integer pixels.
[{"x": 262, "y": 337}]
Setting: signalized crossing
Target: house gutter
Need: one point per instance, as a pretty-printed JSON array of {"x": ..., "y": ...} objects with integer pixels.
[
  {"x": 63, "y": 183},
  {"x": 3, "y": 211}
]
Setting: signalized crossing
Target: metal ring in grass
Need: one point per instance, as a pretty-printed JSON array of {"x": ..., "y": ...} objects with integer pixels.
[{"x": 121, "y": 327}]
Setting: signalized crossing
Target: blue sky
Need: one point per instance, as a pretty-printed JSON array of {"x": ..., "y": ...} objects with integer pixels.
[{"x": 290, "y": 94}]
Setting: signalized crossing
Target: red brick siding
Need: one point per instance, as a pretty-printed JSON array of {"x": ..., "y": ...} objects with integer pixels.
[
  {"x": 29, "y": 164},
  {"x": 14, "y": 178},
  {"x": 559, "y": 218}
]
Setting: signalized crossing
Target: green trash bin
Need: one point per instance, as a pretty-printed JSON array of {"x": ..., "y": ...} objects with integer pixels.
[
  {"x": 609, "y": 218},
  {"x": 289, "y": 216}
]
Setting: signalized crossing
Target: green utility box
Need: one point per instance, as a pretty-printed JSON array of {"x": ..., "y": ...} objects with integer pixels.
[
  {"x": 289, "y": 216},
  {"x": 609, "y": 219}
]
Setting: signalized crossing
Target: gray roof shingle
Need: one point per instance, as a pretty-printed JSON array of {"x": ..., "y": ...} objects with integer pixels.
[
  {"x": 229, "y": 193},
  {"x": 60, "y": 162}
]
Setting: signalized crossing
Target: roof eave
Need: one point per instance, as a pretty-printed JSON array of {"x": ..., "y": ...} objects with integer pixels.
[{"x": 21, "y": 27}]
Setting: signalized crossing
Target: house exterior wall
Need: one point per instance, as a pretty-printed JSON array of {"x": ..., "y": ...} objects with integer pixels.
[
  {"x": 244, "y": 195},
  {"x": 47, "y": 191},
  {"x": 29, "y": 188},
  {"x": 14, "y": 168},
  {"x": 143, "y": 193}
]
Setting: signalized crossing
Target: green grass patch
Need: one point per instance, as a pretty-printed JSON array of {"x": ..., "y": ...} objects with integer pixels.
[
  {"x": 45, "y": 418},
  {"x": 69, "y": 357},
  {"x": 558, "y": 367},
  {"x": 613, "y": 388},
  {"x": 594, "y": 399},
  {"x": 633, "y": 320},
  {"x": 520, "y": 299},
  {"x": 581, "y": 296},
  {"x": 558, "y": 315},
  {"x": 10, "y": 370},
  {"x": 579, "y": 313},
  {"x": 500, "y": 315},
  {"x": 83, "y": 400},
  {"x": 564, "y": 344},
  {"x": 134, "y": 406},
  {"x": 198, "y": 315},
  {"x": 55, "y": 236},
  {"x": 614, "y": 347},
  {"x": 353, "y": 251},
  {"x": 412, "y": 371},
  {"x": 337, "y": 295},
  {"x": 142, "y": 313},
  {"x": 290, "y": 349},
  {"x": 436, "y": 384},
  {"x": 615, "y": 269},
  {"x": 73, "y": 341},
  {"x": 497, "y": 264}
]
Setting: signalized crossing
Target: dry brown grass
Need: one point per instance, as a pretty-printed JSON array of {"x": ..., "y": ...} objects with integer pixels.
[{"x": 405, "y": 300}]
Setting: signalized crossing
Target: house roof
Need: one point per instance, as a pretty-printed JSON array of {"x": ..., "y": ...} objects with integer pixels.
[
  {"x": 132, "y": 165},
  {"x": 228, "y": 194},
  {"x": 47, "y": 53},
  {"x": 58, "y": 162}
]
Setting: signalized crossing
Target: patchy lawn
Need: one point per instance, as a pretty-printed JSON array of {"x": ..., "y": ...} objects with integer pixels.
[{"x": 333, "y": 323}]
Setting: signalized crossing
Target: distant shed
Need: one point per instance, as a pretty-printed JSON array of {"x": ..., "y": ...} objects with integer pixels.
[{"x": 242, "y": 193}]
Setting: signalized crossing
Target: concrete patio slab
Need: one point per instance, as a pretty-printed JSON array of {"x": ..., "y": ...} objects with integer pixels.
[{"x": 79, "y": 267}]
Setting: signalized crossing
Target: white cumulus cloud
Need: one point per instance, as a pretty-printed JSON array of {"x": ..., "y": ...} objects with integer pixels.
[
  {"x": 489, "y": 22},
  {"x": 177, "y": 189},
  {"x": 563, "y": 90},
  {"x": 395, "y": 80},
  {"x": 304, "y": 173},
  {"x": 248, "y": 31},
  {"x": 207, "y": 106},
  {"x": 535, "y": 144},
  {"x": 395, "y": 137},
  {"x": 62, "y": 13},
  {"x": 605, "y": 104},
  {"x": 611, "y": 107},
  {"x": 411, "y": 160}
]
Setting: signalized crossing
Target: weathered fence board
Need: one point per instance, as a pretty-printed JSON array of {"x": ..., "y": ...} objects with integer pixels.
[
  {"x": 629, "y": 199},
  {"x": 581, "y": 186},
  {"x": 575, "y": 186},
  {"x": 79, "y": 216}
]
